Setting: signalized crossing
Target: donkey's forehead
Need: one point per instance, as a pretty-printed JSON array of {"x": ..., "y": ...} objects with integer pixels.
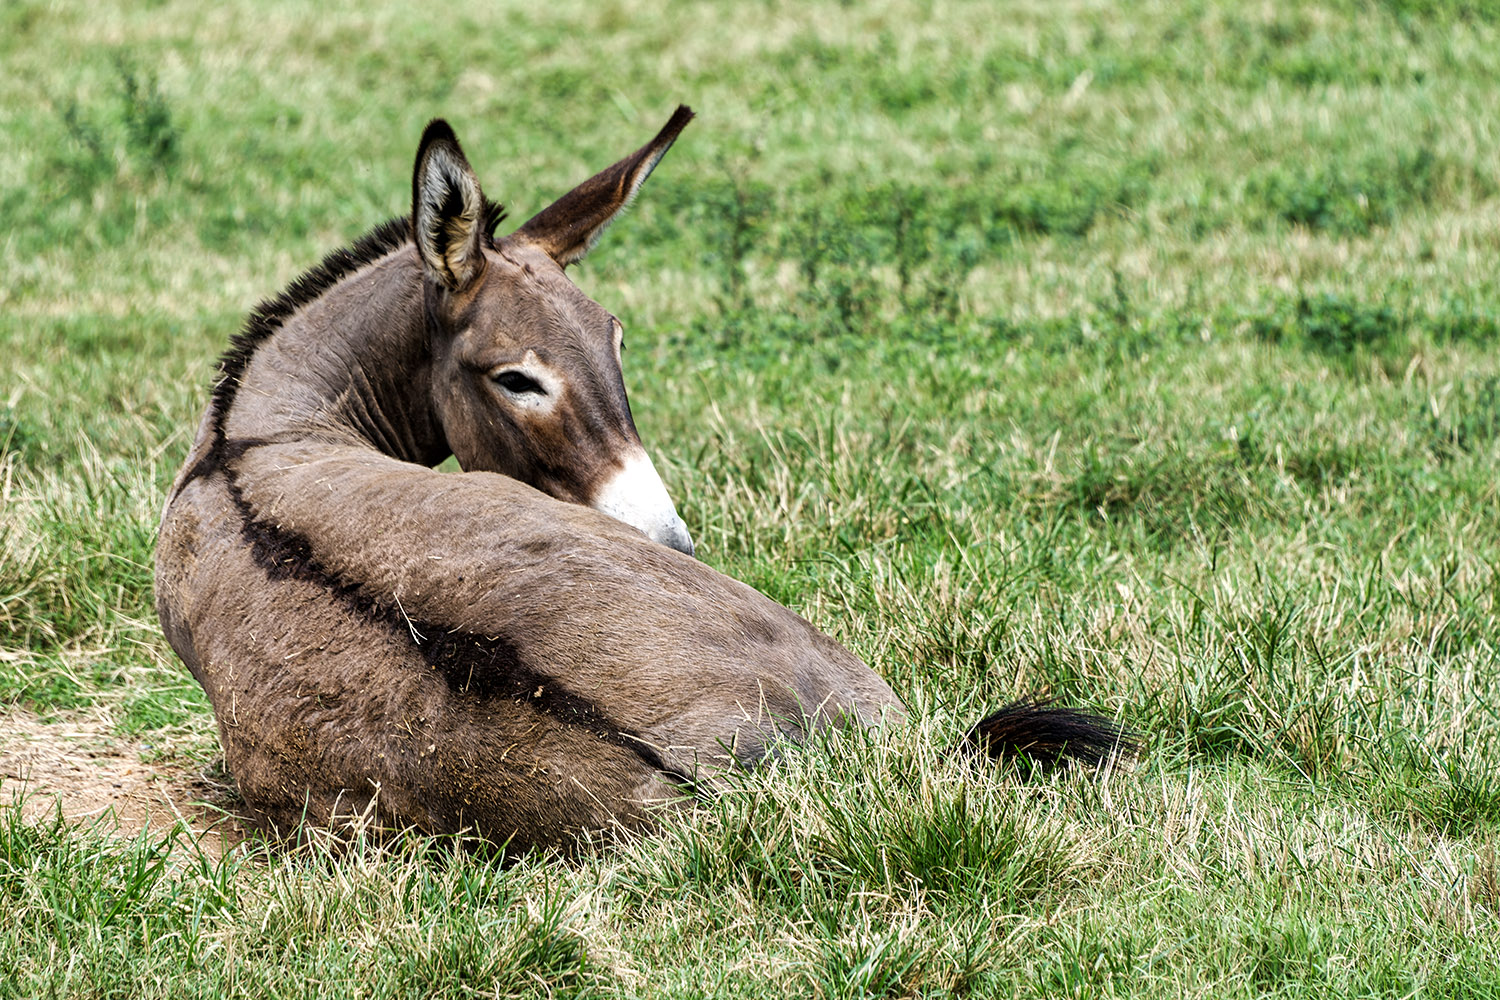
[{"x": 527, "y": 287}]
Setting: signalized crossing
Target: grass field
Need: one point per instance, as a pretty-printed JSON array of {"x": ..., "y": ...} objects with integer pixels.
[{"x": 1140, "y": 353}]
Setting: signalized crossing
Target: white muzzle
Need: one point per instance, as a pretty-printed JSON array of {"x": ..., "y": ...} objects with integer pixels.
[{"x": 636, "y": 496}]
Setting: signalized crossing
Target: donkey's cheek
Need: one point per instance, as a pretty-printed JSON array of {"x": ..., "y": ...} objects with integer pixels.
[{"x": 635, "y": 494}]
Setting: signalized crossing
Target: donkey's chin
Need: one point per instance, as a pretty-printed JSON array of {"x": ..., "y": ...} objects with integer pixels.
[{"x": 637, "y": 496}]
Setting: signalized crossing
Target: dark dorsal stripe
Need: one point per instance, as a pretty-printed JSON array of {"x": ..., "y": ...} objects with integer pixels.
[{"x": 480, "y": 666}]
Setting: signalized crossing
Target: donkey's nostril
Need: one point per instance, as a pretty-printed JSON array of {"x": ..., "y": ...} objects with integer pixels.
[{"x": 676, "y": 536}]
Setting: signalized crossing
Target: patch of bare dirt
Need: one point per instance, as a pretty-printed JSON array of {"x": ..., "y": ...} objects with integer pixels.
[{"x": 79, "y": 765}]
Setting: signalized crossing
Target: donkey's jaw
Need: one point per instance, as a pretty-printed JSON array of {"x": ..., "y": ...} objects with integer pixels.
[{"x": 637, "y": 496}]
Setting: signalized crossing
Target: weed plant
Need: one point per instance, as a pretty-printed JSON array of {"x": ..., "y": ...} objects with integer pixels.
[{"x": 1142, "y": 354}]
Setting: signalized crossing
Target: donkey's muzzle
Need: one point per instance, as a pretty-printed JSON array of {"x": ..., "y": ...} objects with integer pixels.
[{"x": 636, "y": 495}]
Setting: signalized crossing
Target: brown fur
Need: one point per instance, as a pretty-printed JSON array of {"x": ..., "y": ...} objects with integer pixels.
[{"x": 470, "y": 650}]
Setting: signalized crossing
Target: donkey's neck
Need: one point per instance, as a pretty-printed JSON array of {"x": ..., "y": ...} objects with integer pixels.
[{"x": 345, "y": 360}]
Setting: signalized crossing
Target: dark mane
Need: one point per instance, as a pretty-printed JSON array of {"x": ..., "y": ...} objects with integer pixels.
[{"x": 266, "y": 318}]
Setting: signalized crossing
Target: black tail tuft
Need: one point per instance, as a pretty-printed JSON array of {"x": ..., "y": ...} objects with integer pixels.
[{"x": 1048, "y": 737}]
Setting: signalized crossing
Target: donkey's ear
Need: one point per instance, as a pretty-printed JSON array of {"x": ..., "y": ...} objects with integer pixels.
[
  {"x": 448, "y": 211},
  {"x": 569, "y": 227}
]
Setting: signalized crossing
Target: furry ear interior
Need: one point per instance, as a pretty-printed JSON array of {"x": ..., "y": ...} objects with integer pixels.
[
  {"x": 569, "y": 227},
  {"x": 450, "y": 217}
]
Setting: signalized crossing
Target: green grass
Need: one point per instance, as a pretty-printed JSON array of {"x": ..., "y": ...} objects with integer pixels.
[{"x": 1144, "y": 354}]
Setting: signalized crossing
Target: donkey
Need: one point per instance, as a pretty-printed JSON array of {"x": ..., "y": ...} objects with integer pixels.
[{"x": 526, "y": 650}]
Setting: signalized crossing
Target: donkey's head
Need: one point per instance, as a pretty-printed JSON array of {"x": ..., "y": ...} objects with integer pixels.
[{"x": 526, "y": 368}]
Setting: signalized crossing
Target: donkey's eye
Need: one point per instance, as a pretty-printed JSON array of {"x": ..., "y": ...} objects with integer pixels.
[{"x": 518, "y": 383}]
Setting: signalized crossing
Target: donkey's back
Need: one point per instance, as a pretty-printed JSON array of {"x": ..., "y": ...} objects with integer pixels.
[{"x": 524, "y": 668}]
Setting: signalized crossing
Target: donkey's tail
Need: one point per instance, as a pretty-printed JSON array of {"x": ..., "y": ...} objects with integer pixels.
[{"x": 1047, "y": 736}]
